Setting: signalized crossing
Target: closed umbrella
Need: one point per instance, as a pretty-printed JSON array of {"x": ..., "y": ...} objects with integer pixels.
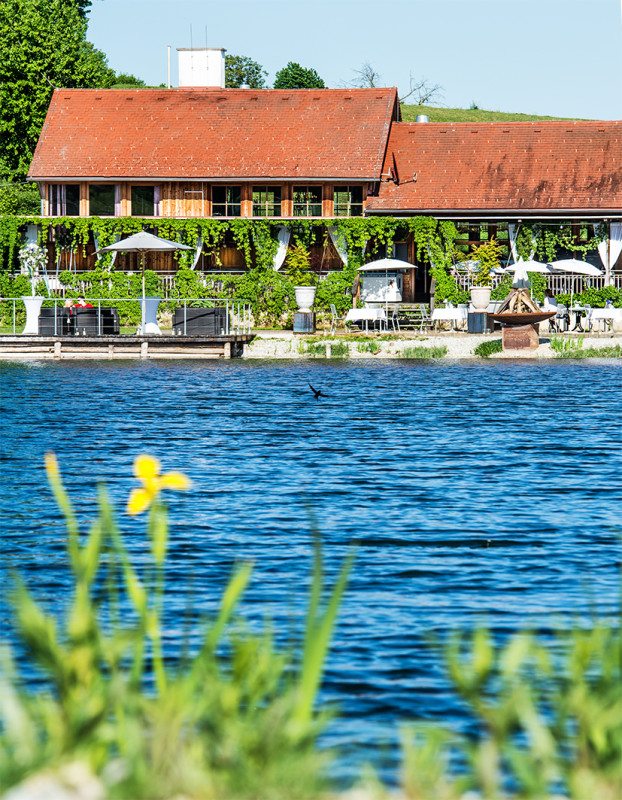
[{"x": 143, "y": 243}]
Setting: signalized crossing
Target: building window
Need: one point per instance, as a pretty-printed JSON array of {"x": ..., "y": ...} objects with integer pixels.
[
  {"x": 143, "y": 201},
  {"x": 348, "y": 201},
  {"x": 307, "y": 201},
  {"x": 266, "y": 201},
  {"x": 226, "y": 201},
  {"x": 102, "y": 200},
  {"x": 64, "y": 200}
]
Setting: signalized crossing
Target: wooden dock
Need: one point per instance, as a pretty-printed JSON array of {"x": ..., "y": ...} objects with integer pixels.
[{"x": 61, "y": 348}]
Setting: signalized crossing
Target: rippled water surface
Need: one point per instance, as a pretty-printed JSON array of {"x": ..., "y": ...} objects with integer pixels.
[{"x": 476, "y": 493}]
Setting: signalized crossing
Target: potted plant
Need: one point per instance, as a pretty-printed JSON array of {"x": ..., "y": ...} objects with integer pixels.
[
  {"x": 488, "y": 258},
  {"x": 298, "y": 268},
  {"x": 32, "y": 259}
]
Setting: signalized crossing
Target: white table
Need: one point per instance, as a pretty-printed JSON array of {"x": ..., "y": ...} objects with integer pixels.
[
  {"x": 366, "y": 315},
  {"x": 609, "y": 316},
  {"x": 457, "y": 316}
]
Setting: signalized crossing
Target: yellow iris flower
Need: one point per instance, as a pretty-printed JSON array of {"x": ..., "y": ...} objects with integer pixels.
[{"x": 147, "y": 470}]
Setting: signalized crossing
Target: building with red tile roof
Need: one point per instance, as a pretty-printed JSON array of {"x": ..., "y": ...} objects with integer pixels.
[
  {"x": 318, "y": 153},
  {"x": 499, "y": 168},
  {"x": 215, "y": 134}
]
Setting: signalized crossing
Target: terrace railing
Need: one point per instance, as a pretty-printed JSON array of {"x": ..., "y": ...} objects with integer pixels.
[
  {"x": 222, "y": 317},
  {"x": 558, "y": 284}
]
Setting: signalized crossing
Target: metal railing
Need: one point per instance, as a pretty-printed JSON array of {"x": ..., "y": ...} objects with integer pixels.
[
  {"x": 106, "y": 316},
  {"x": 558, "y": 284},
  {"x": 166, "y": 284}
]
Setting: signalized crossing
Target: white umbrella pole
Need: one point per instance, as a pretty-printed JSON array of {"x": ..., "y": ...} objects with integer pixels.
[{"x": 143, "y": 304}]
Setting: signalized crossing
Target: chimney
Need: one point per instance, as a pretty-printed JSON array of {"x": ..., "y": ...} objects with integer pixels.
[{"x": 201, "y": 66}]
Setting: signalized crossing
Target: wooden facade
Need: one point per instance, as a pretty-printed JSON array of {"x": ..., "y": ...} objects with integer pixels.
[{"x": 185, "y": 199}]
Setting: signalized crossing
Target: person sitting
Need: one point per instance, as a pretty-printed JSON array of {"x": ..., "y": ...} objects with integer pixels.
[
  {"x": 68, "y": 306},
  {"x": 81, "y": 303},
  {"x": 550, "y": 301},
  {"x": 392, "y": 293}
]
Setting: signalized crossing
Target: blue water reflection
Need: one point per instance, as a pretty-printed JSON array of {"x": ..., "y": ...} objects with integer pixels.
[{"x": 476, "y": 493}]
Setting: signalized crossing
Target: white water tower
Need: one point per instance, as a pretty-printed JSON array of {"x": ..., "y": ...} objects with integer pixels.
[{"x": 201, "y": 67}]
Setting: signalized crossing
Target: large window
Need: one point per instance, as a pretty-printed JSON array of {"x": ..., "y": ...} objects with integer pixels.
[
  {"x": 226, "y": 201},
  {"x": 266, "y": 201},
  {"x": 348, "y": 201},
  {"x": 64, "y": 200},
  {"x": 307, "y": 201},
  {"x": 102, "y": 200},
  {"x": 143, "y": 201}
]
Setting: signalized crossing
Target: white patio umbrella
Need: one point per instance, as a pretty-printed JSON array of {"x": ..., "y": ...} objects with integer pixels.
[
  {"x": 387, "y": 265},
  {"x": 572, "y": 266},
  {"x": 143, "y": 243},
  {"x": 521, "y": 269}
]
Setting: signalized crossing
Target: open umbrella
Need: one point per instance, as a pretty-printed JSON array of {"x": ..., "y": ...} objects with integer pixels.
[
  {"x": 573, "y": 266},
  {"x": 521, "y": 269},
  {"x": 143, "y": 243}
]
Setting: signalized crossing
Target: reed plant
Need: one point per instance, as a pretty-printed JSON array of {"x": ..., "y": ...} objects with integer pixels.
[
  {"x": 564, "y": 347},
  {"x": 546, "y": 716},
  {"x": 236, "y": 718},
  {"x": 417, "y": 352}
]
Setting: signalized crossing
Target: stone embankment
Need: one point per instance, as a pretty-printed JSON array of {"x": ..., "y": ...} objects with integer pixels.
[{"x": 286, "y": 345}]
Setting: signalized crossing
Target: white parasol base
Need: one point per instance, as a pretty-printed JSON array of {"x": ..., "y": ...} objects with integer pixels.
[
  {"x": 149, "y": 324},
  {"x": 33, "y": 309}
]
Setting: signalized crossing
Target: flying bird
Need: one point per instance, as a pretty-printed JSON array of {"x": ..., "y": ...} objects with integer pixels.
[{"x": 317, "y": 393}]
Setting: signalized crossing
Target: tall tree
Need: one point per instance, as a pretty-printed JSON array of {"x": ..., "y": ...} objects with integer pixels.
[
  {"x": 293, "y": 76},
  {"x": 42, "y": 45},
  {"x": 242, "y": 70},
  {"x": 84, "y": 6}
]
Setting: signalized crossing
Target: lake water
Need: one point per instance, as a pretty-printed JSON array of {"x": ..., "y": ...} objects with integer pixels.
[{"x": 477, "y": 493}]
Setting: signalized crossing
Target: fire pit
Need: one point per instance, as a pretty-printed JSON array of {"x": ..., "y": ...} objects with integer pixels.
[{"x": 521, "y": 319}]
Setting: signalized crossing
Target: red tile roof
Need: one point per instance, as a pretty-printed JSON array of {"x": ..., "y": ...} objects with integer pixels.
[
  {"x": 215, "y": 133},
  {"x": 497, "y": 166}
]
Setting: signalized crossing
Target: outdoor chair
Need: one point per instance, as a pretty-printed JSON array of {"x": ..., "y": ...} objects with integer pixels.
[
  {"x": 335, "y": 319},
  {"x": 561, "y": 321},
  {"x": 393, "y": 319},
  {"x": 424, "y": 320}
]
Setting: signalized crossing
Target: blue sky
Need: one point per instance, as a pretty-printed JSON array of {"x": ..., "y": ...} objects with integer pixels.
[{"x": 558, "y": 57}]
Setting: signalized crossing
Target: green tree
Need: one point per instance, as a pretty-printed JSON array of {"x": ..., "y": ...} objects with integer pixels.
[
  {"x": 42, "y": 45},
  {"x": 123, "y": 80},
  {"x": 240, "y": 70},
  {"x": 293, "y": 76},
  {"x": 84, "y": 6},
  {"x": 19, "y": 199}
]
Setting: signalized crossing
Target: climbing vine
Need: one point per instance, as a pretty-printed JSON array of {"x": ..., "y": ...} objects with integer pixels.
[{"x": 270, "y": 292}]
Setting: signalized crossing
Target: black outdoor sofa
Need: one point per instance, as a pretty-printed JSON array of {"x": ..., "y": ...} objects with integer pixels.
[
  {"x": 80, "y": 322},
  {"x": 200, "y": 321}
]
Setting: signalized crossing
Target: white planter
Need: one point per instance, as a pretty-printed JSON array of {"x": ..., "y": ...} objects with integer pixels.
[
  {"x": 33, "y": 308},
  {"x": 149, "y": 325},
  {"x": 480, "y": 297},
  {"x": 305, "y": 295}
]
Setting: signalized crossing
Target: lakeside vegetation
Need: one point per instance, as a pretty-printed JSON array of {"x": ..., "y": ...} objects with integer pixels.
[{"x": 239, "y": 717}]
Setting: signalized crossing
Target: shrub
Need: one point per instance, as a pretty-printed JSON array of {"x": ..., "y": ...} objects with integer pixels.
[{"x": 487, "y": 348}]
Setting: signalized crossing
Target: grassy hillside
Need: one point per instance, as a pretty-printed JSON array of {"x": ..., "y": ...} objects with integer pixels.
[{"x": 466, "y": 115}]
